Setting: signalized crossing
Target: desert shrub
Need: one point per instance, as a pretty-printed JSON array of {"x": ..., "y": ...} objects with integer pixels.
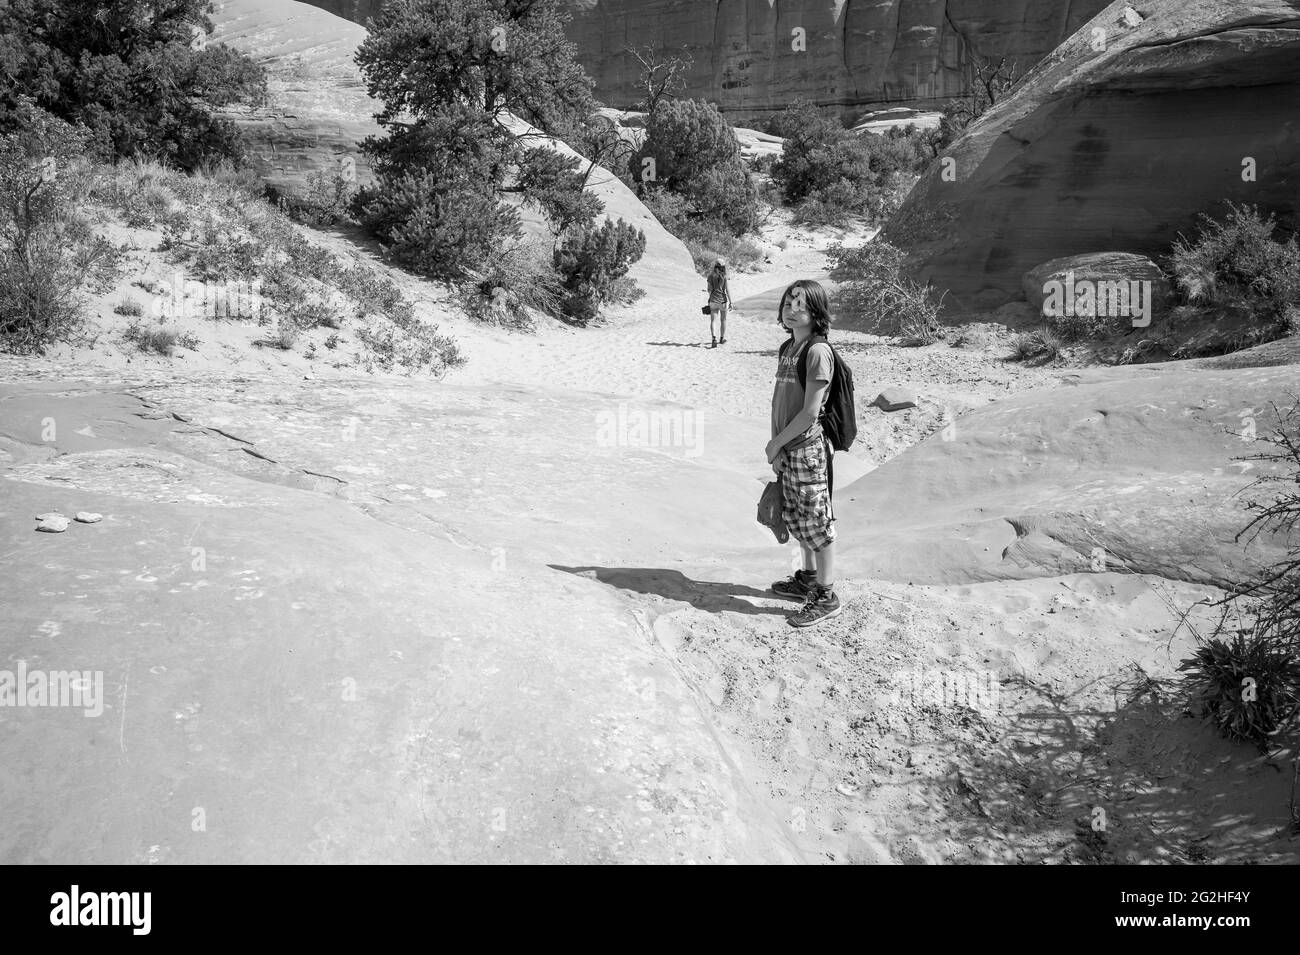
[
  {"x": 685, "y": 139},
  {"x": 874, "y": 285},
  {"x": 436, "y": 226},
  {"x": 589, "y": 260},
  {"x": 517, "y": 284},
  {"x": 690, "y": 152},
  {"x": 137, "y": 188},
  {"x": 47, "y": 249},
  {"x": 1040, "y": 345},
  {"x": 215, "y": 251},
  {"x": 708, "y": 244},
  {"x": 140, "y": 76},
  {"x": 914, "y": 148},
  {"x": 834, "y": 175},
  {"x": 286, "y": 334},
  {"x": 222, "y": 230},
  {"x": 128, "y": 306},
  {"x": 1237, "y": 264},
  {"x": 238, "y": 181},
  {"x": 919, "y": 324},
  {"x": 159, "y": 341},
  {"x": 327, "y": 201},
  {"x": 311, "y": 312},
  {"x": 707, "y": 240},
  {"x": 625, "y": 291},
  {"x": 1082, "y": 326},
  {"x": 413, "y": 346},
  {"x": 1245, "y": 675},
  {"x": 1222, "y": 666},
  {"x": 725, "y": 196}
]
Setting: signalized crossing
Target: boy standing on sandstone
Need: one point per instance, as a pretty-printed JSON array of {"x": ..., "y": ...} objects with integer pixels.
[{"x": 799, "y": 451}]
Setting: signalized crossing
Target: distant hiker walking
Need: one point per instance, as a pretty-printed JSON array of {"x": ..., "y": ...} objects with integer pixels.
[
  {"x": 800, "y": 450},
  {"x": 719, "y": 300}
]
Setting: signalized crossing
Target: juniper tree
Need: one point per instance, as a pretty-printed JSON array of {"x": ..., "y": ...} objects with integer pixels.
[
  {"x": 691, "y": 150},
  {"x": 450, "y": 75}
]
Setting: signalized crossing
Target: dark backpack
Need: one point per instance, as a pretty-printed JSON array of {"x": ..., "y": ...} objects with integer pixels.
[{"x": 839, "y": 418}]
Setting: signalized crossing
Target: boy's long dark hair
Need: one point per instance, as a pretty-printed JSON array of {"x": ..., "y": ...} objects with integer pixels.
[{"x": 819, "y": 309}]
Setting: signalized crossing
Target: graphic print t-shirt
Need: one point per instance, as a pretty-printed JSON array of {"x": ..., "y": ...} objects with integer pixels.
[{"x": 787, "y": 398}]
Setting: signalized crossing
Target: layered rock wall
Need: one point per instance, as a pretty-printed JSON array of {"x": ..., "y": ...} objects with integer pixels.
[{"x": 750, "y": 57}]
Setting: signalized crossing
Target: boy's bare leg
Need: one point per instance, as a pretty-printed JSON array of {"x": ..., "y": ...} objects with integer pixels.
[
  {"x": 825, "y": 564},
  {"x": 722, "y": 317},
  {"x": 712, "y": 312},
  {"x": 809, "y": 558}
]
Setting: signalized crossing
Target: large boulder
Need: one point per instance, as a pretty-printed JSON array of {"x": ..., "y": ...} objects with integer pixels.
[
  {"x": 1059, "y": 281},
  {"x": 855, "y": 53},
  {"x": 1116, "y": 141},
  {"x": 320, "y": 112}
]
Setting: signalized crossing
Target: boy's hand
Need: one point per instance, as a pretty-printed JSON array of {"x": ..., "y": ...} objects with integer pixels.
[{"x": 774, "y": 455}]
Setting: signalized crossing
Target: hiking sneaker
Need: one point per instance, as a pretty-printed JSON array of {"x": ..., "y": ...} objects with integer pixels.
[
  {"x": 820, "y": 604},
  {"x": 795, "y": 586}
]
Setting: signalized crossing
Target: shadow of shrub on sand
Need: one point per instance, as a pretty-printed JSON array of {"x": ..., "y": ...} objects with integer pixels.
[{"x": 1074, "y": 782}]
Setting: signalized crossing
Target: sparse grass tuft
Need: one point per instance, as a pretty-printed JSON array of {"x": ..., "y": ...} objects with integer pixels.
[
  {"x": 128, "y": 306},
  {"x": 159, "y": 341},
  {"x": 1042, "y": 345}
]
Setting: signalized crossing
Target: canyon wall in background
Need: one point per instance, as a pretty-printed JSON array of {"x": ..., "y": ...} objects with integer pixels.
[{"x": 859, "y": 53}]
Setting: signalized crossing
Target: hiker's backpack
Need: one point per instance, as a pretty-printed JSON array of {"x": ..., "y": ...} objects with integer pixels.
[{"x": 839, "y": 419}]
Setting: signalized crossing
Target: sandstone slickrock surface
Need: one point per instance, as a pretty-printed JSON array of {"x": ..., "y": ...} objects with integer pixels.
[
  {"x": 1116, "y": 149},
  {"x": 317, "y": 654},
  {"x": 320, "y": 112},
  {"x": 857, "y": 52},
  {"x": 1134, "y": 470}
]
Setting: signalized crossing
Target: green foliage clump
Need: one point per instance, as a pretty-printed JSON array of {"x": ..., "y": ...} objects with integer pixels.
[
  {"x": 140, "y": 76},
  {"x": 690, "y": 151},
  {"x": 590, "y": 260},
  {"x": 833, "y": 175},
  {"x": 706, "y": 239},
  {"x": 1236, "y": 264},
  {"x": 450, "y": 74}
]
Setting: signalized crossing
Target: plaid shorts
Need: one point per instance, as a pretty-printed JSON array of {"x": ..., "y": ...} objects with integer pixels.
[{"x": 805, "y": 495}]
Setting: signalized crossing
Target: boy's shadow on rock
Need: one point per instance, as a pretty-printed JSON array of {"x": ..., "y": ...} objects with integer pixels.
[{"x": 673, "y": 584}]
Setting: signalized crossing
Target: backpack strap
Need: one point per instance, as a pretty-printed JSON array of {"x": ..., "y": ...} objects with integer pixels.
[{"x": 803, "y": 358}]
